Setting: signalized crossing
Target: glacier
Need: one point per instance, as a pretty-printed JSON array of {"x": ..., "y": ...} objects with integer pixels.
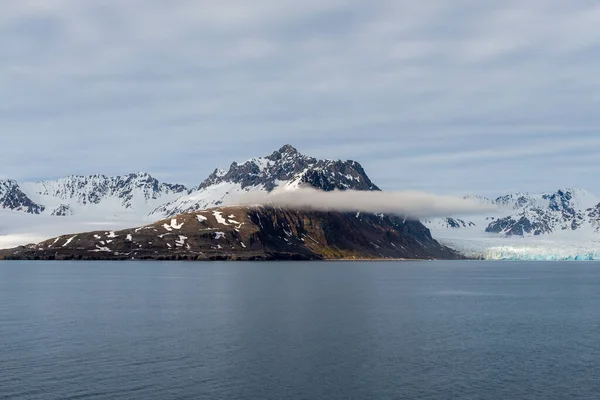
[{"x": 500, "y": 248}]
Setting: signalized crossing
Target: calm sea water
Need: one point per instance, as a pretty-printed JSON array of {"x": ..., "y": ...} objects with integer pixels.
[{"x": 388, "y": 330}]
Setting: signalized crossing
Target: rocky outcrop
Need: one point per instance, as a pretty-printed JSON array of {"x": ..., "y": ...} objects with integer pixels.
[
  {"x": 249, "y": 233},
  {"x": 13, "y": 198},
  {"x": 62, "y": 211}
]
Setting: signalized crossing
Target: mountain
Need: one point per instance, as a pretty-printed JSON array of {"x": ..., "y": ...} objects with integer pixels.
[
  {"x": 31, "y": 210},
  {"x": 528, "y": 226},
  {"x": 524, "y": 214},
  {"x": 249, "y": 233},
  {"x": 285, "y": 168},
  {"x": 564, "y": 210},
  {"x": 137, "y": 193},
  {"x": 144, "y": 196}
]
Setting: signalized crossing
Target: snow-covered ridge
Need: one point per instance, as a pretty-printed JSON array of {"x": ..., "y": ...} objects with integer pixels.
[
  {"x": 137, "y": 193},
  {"x": 142, "y": 195},
  {"x": 285, "y": 168},
  {"x": 523, "y": 214}
]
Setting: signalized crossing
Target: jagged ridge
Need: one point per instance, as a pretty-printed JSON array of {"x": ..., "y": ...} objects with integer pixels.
[
  {"x": 76, "y": 194},
  {"x": 285, "y": 168},
  {"x": 523, "y": 214}
]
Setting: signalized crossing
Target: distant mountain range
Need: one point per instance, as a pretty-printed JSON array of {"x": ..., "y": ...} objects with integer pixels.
[
  {"x": 137, "y": 193},
  {"x": 562, "y": 217},
  {"x": 199, "y": 227},
  {"x": 524, "y": 214},
  {"x": 144, "y": 196},
  {"x": 556, "y": 225}
]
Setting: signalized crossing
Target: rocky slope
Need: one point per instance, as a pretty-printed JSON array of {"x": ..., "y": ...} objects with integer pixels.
[{"x": 249, "y": 233}]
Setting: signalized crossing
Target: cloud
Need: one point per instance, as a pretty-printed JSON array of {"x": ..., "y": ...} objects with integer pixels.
[
  {"x": 410, "y": 203},
  {"x": 448, "y": 95}
]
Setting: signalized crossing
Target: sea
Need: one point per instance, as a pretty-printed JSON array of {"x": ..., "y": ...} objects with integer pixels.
[{"x": 300, "y": 330}]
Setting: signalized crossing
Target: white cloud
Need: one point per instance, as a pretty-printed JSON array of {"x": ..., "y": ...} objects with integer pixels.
[{"x": 411, "y": 204}]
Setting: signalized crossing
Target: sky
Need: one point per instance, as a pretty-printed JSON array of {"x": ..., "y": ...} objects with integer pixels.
[{"x": 445, "y": 96}]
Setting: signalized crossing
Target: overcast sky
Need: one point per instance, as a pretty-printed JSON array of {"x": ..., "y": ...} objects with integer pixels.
[{"x": 448, "y": 96}]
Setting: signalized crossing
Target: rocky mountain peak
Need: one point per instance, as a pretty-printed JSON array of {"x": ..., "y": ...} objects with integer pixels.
[
  {"x": 288, "y": 165},
  {"x": 284, "y": 168},
  {"x": 286, "y": 151}
]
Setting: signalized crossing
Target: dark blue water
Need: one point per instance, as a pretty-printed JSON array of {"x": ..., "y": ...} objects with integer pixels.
[{"x": 430, "y": 330}]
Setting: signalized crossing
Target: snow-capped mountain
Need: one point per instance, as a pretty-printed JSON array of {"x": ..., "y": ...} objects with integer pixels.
[
  {"x": 137, "y": 193},
  {"x": 558, "y": 225},
  {"x": 34, "y": 211},
  {"x": 528, "y": 226},
  {"x": 285, "y": 168},
  {"x": 142, "y": 195},
  {"x": 564, "y": 210},
  {"x": 523, "y": 214}
]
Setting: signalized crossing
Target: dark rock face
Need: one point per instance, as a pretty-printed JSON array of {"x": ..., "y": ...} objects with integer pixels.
[
  {"x": 62, "y": 211},
  {"x": 250, "y": 233},
  {"x": 13, "y": 198},
  {"x": 519, "y": 201},
  {"x": 288, "y": 164},
  {"x": 594, "y": 215},
  {"x": 520, "y": 227},
  {"x": 458, "y": 223}
]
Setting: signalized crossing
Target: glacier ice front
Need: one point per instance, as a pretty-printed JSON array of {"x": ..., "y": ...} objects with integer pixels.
[
  {"x": 526, "y": 249},
  {"x": 536, "y": 254}
]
